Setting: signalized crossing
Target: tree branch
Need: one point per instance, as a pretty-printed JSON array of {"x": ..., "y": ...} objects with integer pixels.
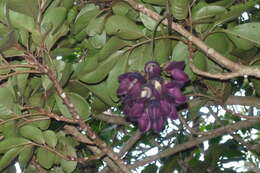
[{"x": 195, "y": 141}]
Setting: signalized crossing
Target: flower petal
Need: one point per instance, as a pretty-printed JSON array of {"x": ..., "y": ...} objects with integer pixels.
[
  {"x": 144, "y": 122},
  {"x": 152, "y": 68}
]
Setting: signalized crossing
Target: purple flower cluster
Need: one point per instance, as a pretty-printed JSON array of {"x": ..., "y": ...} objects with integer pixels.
[{"x": 150, "y": 99}]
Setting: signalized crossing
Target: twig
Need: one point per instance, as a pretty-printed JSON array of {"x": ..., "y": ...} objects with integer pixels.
[
  {"x": 113, "y": 119},
  {"x": 17, "y": 73},
  {"x": 54, "y": 116}
]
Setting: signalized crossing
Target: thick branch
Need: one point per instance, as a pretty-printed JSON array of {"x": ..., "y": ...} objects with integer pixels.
[
  {"x": 243, "y": 100},
  {"x": 195, "y": 141}
]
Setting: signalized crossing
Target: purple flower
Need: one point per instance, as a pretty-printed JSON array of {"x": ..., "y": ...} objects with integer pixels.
[
  {"x": 152, "y": 68},
  {"x": 176, "y": 71},
  {"x": 144, "y": 122},
  {"x": 173, "y": 91},
  {"x": 130, "y": 83}
]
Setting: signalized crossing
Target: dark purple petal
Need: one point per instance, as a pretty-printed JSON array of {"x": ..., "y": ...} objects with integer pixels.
[
  {"x": 158, "y": 125},
  {"x": 177, "y": 95},
  {"x": 138, "y": 108},
  {"x": 165, "y": 107},
  {"x": 173, "y": 114},
  {"x": 153, "y": 69},
  {"x": 179, "y": 75},
  {"x": 175, "y": 65},
  {"x": 144, "y": 122},
  {"x": 154, "y": 110},
  {"x": 130, "y": 83}
]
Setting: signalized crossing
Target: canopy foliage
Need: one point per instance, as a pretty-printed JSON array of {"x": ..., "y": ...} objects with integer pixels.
[{"x": 59, "y": 66}]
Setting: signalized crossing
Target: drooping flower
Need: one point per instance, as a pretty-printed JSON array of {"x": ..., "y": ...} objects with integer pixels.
[
  {"x": 176, "y": 71},
  {"x": 152, "y": 69}
]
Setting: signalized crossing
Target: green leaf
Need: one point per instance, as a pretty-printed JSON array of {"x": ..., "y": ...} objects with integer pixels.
[
  {"x": 220, "y": 42},
  {"x": 77, "y": 87},
  {"x": 224, "y": 3},
  {"x": 30, "y": 8},
  {"x": 25, "y": 156},
  {"x": 95, "y": 26},
  {"x": 121, "y": 8},
  {"x": 8, "y": 129},
  {"x": 208, "y": 13},
  {"x": 68, "y": 166},
  {"x": 180, "y": 8},
  {"x": 7, "y": 97},
  {"x": 42, "y": 124},
  {"x": 5, "y": 113},
  {"x": 111, "y": 46},
  {"x": 12, "y": 142},
  {"x": 45, "y": 158},
  {"x": 123, "y": 27},
  {"x": 156, "y": 2},
  {"x": 32, "y": 133},
  {"x": 100, "y": 91},
  {"x": 97, "y": 105},
  {"x": 138, "y": 57},
  {"x": 71, "y": 16},
  {"x": 89, "y": 64},
  {"x": 84, "y": 16},
  {"x": 245, "y": 36},
  {"x": 9, "y": 157},
  {"x": 53, "y": 19},
  {"x": 68, "y": 4},
  {"x": 21, "y": 21},
  {"x": 112, "y": 81},
  {"x": 79, "y": 102},
  {"x": 8, "y": 40},
  {"x": 22, "y": 80},
  {"x": 50, "y": 138},
  {"x": 103, "y": 69},
  {"x": 98, "y": 41},
  {"x": 53, "y": 38},
  {"x": 148, "y": 22}
]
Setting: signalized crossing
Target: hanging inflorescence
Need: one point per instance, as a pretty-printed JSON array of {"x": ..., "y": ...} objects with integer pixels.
[{"x": 150, "y": 99}]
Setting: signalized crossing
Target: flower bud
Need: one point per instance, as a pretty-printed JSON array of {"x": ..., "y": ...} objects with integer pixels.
[{"x": 153, "y": 69}]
